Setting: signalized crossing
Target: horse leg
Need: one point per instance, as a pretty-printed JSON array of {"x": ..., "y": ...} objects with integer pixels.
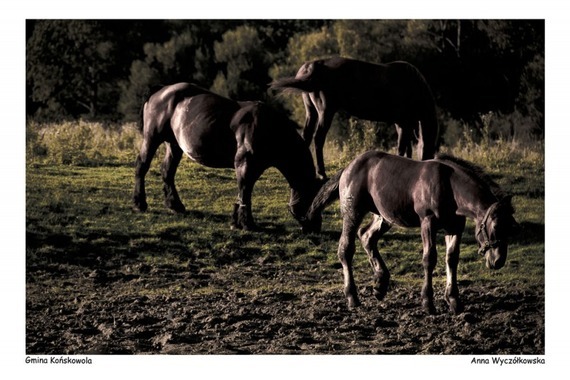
[
  {"x": 346, "y": 249},
  {"x": 369, "y": 237},
  {"x": 148, "y": 149},
  {"x": 452, "y": 260},
  {"x": 168, "y": 171},
  {"x": 404, "y": 140},
  {"x": 421, "y": 148},
  {"x": 247, "y": 174},
  {"x": 429, "y": 260},
  {"x": 325, "y": 117},
  {"x": 310, "y": 119},
  {"x": 427, "y": 137}
]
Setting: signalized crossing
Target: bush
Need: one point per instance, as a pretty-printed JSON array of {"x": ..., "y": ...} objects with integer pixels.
[
  {"x": 490, "y": 141},
  {"x": 491, "y": 126},
  {"x": 361, "y": 136},
  {"x": 494, "y": 140}
]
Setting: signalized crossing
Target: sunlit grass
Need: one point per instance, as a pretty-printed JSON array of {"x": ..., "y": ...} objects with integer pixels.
[{"x": 79, "y": 210}]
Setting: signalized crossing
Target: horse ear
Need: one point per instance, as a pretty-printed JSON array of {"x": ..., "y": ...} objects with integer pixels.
[{"x": 506, "y": 201}]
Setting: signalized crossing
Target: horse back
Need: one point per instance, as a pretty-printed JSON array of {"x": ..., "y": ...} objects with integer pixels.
[
  {"x": 158, "y": 109},
  {"x": 201, "y": 125},
  {"x": 399, "y": 189},
  {"x": 388, "y": 92}
]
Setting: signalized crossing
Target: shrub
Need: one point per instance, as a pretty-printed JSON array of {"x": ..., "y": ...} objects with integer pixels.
[{"x": 490, "y": 141}]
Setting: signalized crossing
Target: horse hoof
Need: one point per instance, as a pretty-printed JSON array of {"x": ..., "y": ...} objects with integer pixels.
[
  {"x": 139, "y": 207},
  {"x": 177, "y": 211},
  {"x": 380, "y": 294},
  {"x": 247, "y": 227},
  {"x": 250, "y": 227},
  {"x": 175, "y": 207},
  {"x": 381, "y": 287},
  {"x": 429, "y": 308},
  {"x": 353, "y": 302},
  {"x": 456, "y": 307}
]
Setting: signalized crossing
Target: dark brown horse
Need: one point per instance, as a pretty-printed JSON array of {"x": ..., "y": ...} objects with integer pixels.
[
  {"x": 435, "y": 194},
  {"x": 221, "y": 133},
  {"x": 396, "y": 93}
]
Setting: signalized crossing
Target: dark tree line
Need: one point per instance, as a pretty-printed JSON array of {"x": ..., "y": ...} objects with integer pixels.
[{"x": 100, "y": 69}]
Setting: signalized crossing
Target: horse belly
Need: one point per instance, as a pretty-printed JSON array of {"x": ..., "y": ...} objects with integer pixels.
[
  {"x": 395, "y": 206},
  {"x": 401, "y": 218},
  {"x": 207, "y": 144},
  {"x": 369, "y": 105}
]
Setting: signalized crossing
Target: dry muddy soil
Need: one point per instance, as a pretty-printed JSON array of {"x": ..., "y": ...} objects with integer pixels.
[{"x": 125, "y": 307}]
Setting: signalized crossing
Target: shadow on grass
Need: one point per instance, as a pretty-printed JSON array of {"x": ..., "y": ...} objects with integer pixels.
[
  {"x": 196, "y": 235},
  {"x": 530, "y": 233}
]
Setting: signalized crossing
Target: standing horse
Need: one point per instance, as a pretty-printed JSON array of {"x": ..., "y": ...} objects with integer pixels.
[
  {"x": 221, "y": 133},
  {"x": 434, "y": 194},
  {"x": 396, "y": 93}
]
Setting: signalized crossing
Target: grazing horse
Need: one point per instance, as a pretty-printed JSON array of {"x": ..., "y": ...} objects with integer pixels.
[
  {"x": 396, "y": 93},
  {"x": 434, "y": 194},
  {"x": 221, "y": 133}
]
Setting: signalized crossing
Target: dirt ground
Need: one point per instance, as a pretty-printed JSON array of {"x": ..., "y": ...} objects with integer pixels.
[{"x": 126, "y": 307}]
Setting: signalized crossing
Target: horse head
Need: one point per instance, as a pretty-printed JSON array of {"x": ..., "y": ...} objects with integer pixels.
[
  {"x": 493, "y": 232},
  {"x": 268, "y": 138},
  {"x": 299, "y": 205}
]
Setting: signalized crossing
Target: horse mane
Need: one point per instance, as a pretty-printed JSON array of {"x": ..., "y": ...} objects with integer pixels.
[{"x": 473, "y": 171}]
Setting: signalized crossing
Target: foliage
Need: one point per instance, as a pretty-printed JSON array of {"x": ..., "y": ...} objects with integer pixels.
[
  {"x": 95, "y": 69},
  {"x": 68, "y": 62},
  {"x": 242, "y": 53},
  {"x": 180, "y": 58}
]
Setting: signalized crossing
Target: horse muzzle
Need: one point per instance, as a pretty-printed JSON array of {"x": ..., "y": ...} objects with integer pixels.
[
  {"x": 496, "y": 257},
  {"x": 311, "y": 226}
]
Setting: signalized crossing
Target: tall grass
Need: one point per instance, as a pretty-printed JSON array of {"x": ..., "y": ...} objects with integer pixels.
[
  {"x": 490, "y": 142},
  {"x": 81, "y": 143},
  {"x": 508, "y": 159},
  {"x": 493, "y": 141}
]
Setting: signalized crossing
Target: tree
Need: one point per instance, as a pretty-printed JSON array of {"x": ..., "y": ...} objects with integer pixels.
[
  {"x": 473, "y": 66},
  {"x": 184, "y": 55},
  {"x": 164, "y": 63},
  {"x": 101, "y": 68},
  {"x": 67, "y": 66},
  {"x": 244, "y": 64}
]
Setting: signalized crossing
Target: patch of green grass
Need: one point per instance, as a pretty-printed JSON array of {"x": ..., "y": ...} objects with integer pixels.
[{"x": 82, "y": 215}]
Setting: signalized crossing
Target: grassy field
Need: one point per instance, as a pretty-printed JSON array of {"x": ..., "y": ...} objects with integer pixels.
[
  {"x": 79, "y": 213},
  {"x": 79, "y": 225}
]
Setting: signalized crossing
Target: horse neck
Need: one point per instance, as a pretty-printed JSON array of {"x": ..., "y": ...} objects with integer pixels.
[
  {"x": 473, "y": 198},
  {"x": 298, "y": 168}
]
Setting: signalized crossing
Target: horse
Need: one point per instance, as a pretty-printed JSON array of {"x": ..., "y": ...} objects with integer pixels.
[
  {"x": 218, "y": 132},
  {"x": 437, "y": 194},
  {"x": 396, "y": 93}
]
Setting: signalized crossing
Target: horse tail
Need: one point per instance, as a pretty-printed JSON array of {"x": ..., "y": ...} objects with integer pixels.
[
  {"x": 145, "y": 97},
  {"x": 306, "y": 79},
  {"x": 292, "y": 84},
  {"x": 327, "y": 194}
]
